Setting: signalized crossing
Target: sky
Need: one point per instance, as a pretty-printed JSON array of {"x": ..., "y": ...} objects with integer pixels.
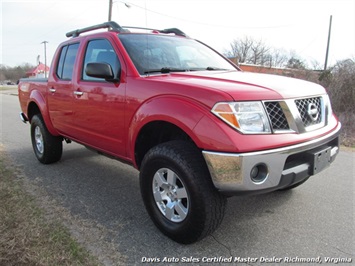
[{"x": 300, "y": 26}]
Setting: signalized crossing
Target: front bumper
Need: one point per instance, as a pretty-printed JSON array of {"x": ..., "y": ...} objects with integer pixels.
[{"x": 265, "y": 171}]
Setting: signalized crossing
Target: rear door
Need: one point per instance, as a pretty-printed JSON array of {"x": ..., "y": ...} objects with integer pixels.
[
  {"x": 99, "y": 104},
  {"x": 60, "y": 94}
]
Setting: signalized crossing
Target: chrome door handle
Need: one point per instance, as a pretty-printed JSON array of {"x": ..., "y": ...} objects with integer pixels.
[
  {"x": 52, "y": 90},
  {"x": 78, "y": 93}
]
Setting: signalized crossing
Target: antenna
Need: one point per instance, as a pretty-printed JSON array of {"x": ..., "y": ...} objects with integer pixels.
[
  {"x": 109, "y": 10},
  {"x": 327, "y": 52}
]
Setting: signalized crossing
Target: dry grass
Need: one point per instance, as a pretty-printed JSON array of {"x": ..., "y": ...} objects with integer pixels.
[
  {"x": 7, "y": 87},
  {"x": 27, "y": 237}
]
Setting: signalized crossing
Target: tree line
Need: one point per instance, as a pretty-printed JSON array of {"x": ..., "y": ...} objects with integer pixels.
[
  {"x": 339, "y": 80},
  {"x": 247, "y": 50},
  {"x": 13, "y": 74}
]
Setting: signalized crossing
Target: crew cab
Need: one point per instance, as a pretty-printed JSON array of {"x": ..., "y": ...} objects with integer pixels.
[{"x": 196, "y": 127}]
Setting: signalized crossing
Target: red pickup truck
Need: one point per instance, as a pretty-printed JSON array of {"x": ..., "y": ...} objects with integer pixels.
[{"x": 196, "y": 127}]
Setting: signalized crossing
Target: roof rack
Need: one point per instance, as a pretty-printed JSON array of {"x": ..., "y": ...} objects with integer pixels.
[
  {"x": 110, "y": 25},
  {"x": 176, "y": 31},
  {"x": 115, "y": 27}
]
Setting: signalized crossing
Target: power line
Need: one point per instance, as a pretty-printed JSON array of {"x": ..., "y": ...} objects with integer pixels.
[{"x": 203, "y": 23}]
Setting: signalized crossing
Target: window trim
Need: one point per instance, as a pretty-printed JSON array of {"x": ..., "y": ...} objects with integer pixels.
[
  {"x": 84, "y": 56},
  {"x": 59, "y": 63},
  {"x": 66, "y": 46}
]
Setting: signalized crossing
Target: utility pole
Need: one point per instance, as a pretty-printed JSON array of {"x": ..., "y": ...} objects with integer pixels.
[
  {"x": 109, "y": 10},
  {"x": 326, "y": 55},
  {"x": 110, "y": 3},
  {"x": 45, "y": 58}
]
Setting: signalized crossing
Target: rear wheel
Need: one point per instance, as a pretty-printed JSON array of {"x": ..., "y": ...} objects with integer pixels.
[
  {"x": 47, "y": 148},
  {"x": 178, "y": 192}
]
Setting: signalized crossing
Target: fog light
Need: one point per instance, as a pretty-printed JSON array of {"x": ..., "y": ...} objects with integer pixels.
[{"x": 259, "y": 173}]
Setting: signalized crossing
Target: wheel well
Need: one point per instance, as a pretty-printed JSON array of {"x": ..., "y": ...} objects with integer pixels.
[
  {"x": 155, "y": 133},
  {"x": 33, "y": 109}
]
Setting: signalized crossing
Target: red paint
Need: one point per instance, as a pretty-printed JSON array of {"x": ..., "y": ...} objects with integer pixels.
[{"x": 109, "y": 116}]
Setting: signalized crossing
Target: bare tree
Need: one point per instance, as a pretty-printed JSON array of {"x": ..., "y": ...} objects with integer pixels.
[
  {"x": 316, "y": 65},
  {"x": 296, "y": 63},
  {"x": 241, "y": 49},
  {"x": 342, "y": 86},
  {"x": 279, "y": 57},
  {"x": 259, "y": 52},
  {"x": 340, "y": 82},
  {"x": 250, "y": 51}
]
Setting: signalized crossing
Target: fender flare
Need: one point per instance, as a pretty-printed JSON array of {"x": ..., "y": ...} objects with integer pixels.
[
  {"x": 37, "y": 98},
  {"x": 185, "y": 113}
]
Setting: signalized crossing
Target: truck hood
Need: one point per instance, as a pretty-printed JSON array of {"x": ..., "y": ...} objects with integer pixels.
[{"x": 250, "y": 86}]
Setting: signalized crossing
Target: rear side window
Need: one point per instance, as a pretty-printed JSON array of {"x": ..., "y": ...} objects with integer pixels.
[{"x": 66, "y": 61}]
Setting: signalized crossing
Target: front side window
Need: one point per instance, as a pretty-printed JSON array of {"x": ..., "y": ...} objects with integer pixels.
[
  {"x": 154, "y": 53},
  {"x": 100, "y": 51},
  {"x": 66, "y": 61}
]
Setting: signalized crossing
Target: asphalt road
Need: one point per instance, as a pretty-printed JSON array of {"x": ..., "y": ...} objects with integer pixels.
[{"x": 314, "y": 221}]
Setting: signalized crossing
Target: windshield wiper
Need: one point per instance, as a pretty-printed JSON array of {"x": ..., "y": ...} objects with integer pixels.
[
  {"x": 215, "y": 68},
  {"x": 207, "y": 68},
  {"x": 165, "y": 70}
]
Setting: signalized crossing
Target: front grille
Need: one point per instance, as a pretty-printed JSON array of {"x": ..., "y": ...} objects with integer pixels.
[
  {"x": 298, "y": 115},
  {"x": 277, "y": 116},
  {"x": 310, "y": 110}
]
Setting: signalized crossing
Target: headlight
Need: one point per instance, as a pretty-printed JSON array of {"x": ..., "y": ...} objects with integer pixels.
[{"x": 247, "y": 117}]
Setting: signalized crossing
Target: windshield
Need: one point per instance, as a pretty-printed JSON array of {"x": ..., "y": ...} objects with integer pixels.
[{"x": 158, "y": 53}]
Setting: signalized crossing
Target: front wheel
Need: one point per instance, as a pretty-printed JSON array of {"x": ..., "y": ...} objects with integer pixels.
[
  {"x": 47, "y": 148},
  {"x": 178, "y": 192}
]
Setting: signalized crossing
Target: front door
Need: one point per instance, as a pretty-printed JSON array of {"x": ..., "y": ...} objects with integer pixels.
[{"x": 98, "y": 104}]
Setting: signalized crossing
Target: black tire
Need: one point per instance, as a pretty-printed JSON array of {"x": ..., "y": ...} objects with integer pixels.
[
  {"x": 187, "y": 207},
  {"x": 47, "y": 148}
]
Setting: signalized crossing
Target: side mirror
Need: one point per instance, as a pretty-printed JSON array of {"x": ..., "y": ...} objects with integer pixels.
[{"x": 101, "y": 70}]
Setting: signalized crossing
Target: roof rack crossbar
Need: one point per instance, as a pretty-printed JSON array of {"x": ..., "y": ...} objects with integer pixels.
[
  {"x": 175, "y": 31},
  {"x": 166, "y": 31},
  {"x": 110, "y": 25}
]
